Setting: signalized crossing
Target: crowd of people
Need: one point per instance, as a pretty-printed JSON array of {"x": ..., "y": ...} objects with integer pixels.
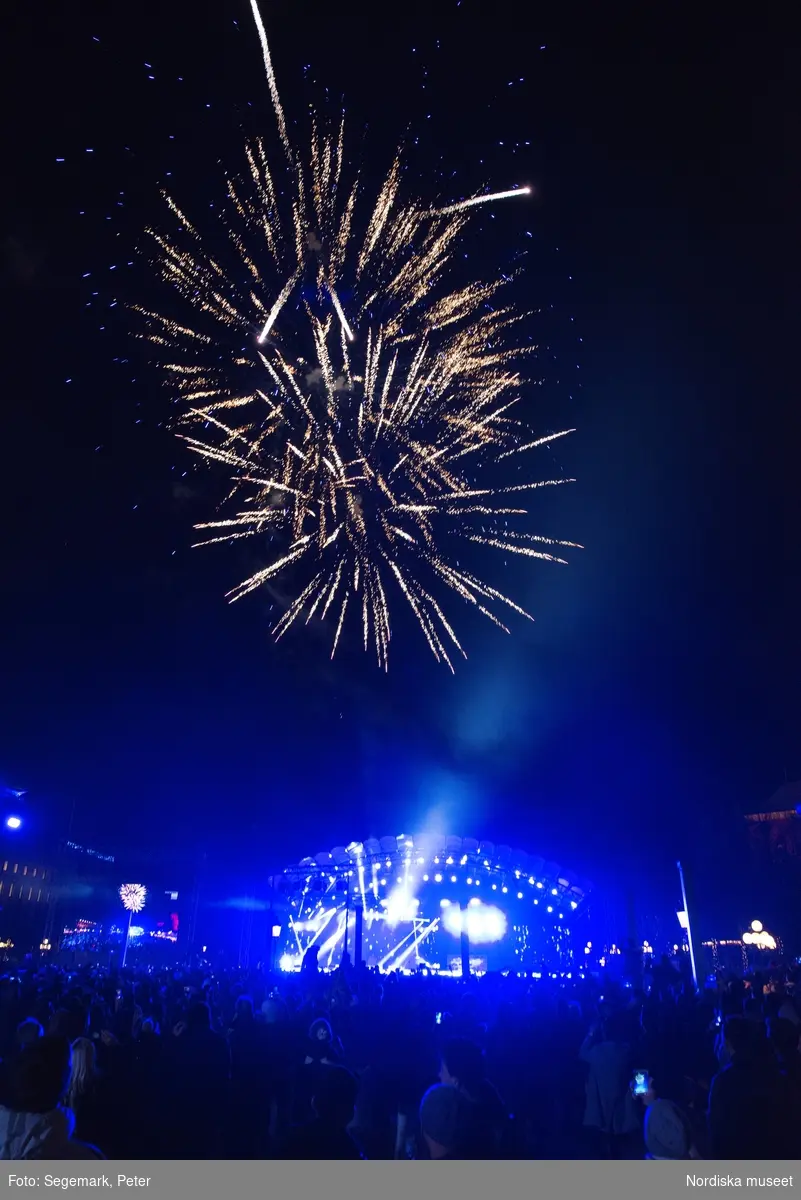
[{"x": 201, "y": 1064}]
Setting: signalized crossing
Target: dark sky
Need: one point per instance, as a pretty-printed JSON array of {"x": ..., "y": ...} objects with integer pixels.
[{"x": 658, "y": 696}]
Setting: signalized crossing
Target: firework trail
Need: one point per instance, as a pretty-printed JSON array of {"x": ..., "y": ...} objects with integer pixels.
[{"x": 355, "y": 401}]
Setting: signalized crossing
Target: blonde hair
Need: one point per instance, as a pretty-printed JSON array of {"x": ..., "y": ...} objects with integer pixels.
[{"x": 83, "y": 1070}]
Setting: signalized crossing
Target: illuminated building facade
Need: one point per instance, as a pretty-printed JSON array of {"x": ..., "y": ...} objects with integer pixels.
[
  {"x": 775, "y": 835},
  {"x": 25, "y": 894},
  {"x": 774, "y": 879}
]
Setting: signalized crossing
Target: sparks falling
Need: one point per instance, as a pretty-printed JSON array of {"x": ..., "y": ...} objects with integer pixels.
[{"x": 354, "y": 397}]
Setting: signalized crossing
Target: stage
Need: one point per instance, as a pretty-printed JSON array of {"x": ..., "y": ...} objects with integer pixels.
[{"x": 428, "y": 903}]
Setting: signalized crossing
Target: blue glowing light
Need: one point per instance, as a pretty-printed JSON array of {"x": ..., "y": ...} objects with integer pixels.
[
  {"x": 484, "y": 923},
  {"x": 13, "y": 822}
]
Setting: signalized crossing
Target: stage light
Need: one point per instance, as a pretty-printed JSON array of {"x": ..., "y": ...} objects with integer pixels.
[
  {"x": 286, "y": 962},
  {"x": 13, "y": 822},
  {"x": 554, "y": 892},
  {"x": 276, "y": 931},
  {"x": 400, "y": 906},
  {"x": 474, "y": 900},
  {"x": 520, "y": 895},
  {"x": 444, "y": 903},
  {"x": 531, "y": 880},
  {"x": 755, "y": 925},
  {"x": 470, "y": 880},
  {"x": 420, "y": 862},
  {"x": 437, "y": 879},
  {"x": 486, "y": 862},
  {"x": 494, "y": 887},
  {"x": 483, "y": 923},
  {"x": 573, "y": 904},
  {"x": 453, "y": 879},
  {"x": 539, "y": 885},
  {"x": 383, "y": 882},
  {"x": 536, "y": 901},
  {"x": 436, "y": 860},
  {"x": 425, "y": 879},
  {"x": 504, "y": 889},
  {"x": 549, "y": 908},
  {"x": 449, "y": 861}
]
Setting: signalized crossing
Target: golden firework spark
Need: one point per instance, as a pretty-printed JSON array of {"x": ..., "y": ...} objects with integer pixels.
[{"x": 355, "y": 398}]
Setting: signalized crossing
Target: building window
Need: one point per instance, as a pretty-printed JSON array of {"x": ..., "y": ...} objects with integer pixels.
[
  {"x": 24, "y": 870},
  {"x": 30, "y": 893},
  {"x": 38, "y": 898},
  {"x": 10, "y": 890},
  {"x": 33, "y": 872},
  {"x": 16, "y": 867}
]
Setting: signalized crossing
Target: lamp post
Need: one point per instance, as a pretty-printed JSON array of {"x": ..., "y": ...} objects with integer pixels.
[
  {"x": 464, "y": 940},
  {"x": 133, "y": 896},
  {"x": 689, "y": 927}
]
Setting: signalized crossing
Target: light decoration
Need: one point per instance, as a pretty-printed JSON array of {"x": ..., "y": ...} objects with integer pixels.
[{"x": 759, "y": 937}]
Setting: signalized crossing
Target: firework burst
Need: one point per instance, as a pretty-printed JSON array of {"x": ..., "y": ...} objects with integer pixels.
[
  {"x": 356, "y": 398},
  {"x": 133, "y": 896}
]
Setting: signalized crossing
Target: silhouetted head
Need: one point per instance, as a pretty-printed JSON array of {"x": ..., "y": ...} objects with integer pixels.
[
  {"x": 199, "y": 1017},
  {"x": 40, "y": 1075}
]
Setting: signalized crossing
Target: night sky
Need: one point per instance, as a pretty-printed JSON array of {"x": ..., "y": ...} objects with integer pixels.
[{"x": 658, "y": 696}]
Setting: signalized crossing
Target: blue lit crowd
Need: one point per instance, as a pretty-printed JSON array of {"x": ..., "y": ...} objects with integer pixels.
[{"x": 206, "y": 1064}]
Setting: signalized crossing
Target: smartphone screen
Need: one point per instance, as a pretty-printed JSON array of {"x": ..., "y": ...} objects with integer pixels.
[{"x": 640, "y": 1083}]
